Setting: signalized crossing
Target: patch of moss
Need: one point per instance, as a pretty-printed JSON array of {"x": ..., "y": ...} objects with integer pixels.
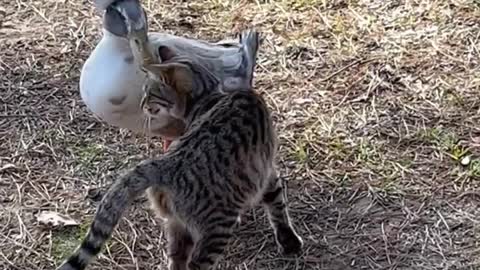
[
  {"x": 367, "y": 152},
  {"x": 474, "y": 168},
  {"x": 88, "y": 153},
  {"x": 339, "y": 149},
  {"x": 446, "y": 141},
  {"x": 64, "y": 242},
  {"x": 301, "y": 152}
]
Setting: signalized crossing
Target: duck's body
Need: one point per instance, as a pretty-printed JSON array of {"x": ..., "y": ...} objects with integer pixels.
[{"x": 111, "y": 82}]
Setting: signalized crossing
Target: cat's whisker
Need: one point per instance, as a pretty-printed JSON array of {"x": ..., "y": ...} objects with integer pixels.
[
  {"x": 144, "y": 123},
  {"x": 149, "y": 126},
  {"x": 147, "y": 120}
]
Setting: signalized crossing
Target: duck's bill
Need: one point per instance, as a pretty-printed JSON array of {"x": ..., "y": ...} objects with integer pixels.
[{"x": 136, "y": 23}]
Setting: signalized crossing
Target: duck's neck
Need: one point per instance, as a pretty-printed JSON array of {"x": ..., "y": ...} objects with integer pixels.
[{"x": 116, "y": 42}]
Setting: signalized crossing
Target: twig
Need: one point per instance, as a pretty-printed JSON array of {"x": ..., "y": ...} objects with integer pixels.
[{"x": 359, "y": 61}]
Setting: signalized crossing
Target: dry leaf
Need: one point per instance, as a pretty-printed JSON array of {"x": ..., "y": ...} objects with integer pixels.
[
  {"x": 55, "y": 219},
  {"x": 7, "y": 166},
  {"x": 475, "y": 142},
  {"x": 303, "y": 101}
]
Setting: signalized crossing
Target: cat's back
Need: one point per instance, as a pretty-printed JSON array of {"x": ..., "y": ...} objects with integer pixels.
[
  {"x": 240, "y": 105},
  {"x": 235, "y": 112},
  {"x": 234, "y": 125},
  {"x": 229, "y": 146}
]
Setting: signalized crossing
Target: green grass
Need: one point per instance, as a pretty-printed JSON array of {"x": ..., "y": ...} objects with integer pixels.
[
  {"x": 300, "y": 152},
  {"x": 89, "y": 153},
  {"x": 445, "y": 141},
  {"x": 474, "y": 168},
  {"x": 66, "y": 241},
  {"x": 337, "y": 148},
  {"x": 367, "y": 152}
]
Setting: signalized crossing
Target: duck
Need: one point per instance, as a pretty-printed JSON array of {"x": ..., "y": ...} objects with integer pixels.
[{"x": 111, "y": 81}]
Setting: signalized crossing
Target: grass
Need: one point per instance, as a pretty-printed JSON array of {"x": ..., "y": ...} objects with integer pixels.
[
  {"x": 301, "y": 154},
  {"x": 474, "y": 168},
  {"x": 66, "y": 241},
  {"x": 446, "y": 142},
  {"x": 89, "y": 153},
  {"x": 376, "y": 107}
]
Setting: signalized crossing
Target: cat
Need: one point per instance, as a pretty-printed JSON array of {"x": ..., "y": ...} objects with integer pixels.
[
  {"x": 220, "y": 167},
  {"x": 111, "y": 81},
  {"x": 113, "y": 93}
]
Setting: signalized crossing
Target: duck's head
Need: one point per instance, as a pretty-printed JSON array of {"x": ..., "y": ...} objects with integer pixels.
[{"x": 124, "y": 17}]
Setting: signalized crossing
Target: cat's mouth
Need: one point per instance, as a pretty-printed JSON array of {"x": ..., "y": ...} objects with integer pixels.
[
  {"x": 174, "y": 129},
  {"x": 166, "y": 144},
  {"x": 168, "y": 132}
]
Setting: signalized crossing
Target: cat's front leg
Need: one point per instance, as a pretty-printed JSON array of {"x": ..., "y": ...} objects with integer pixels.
[{"x": 277, "y": 210}]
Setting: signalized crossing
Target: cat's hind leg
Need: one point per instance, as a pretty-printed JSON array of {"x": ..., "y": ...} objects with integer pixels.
[
  {"x": 179, "y": 245},
  {"x": 277, "y": 210},
  {"x": 179, "y": 240},
  {"x": 212, "y": 240}
]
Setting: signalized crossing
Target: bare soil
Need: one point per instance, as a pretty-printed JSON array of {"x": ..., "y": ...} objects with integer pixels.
[{"x": 377, "y": 105}]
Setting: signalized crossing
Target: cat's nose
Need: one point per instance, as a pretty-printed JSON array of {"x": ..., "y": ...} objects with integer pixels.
[
  {"x": 153, "y": 110},
  {"x": 150, "y": 110}
]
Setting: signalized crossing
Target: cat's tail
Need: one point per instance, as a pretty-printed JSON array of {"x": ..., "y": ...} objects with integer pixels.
[
  {"x": 117, "y": 199},
  {"x": 250, "y": 43}
]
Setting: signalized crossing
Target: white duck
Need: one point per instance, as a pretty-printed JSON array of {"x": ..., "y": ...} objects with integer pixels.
[{"x": 111, "y": 82}]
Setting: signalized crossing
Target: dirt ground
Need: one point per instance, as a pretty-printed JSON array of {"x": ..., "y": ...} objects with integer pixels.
[{"x": 377, "y": 104}]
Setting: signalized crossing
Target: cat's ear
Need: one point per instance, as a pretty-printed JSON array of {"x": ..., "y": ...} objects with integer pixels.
[
  {"x": 178, "y": 75},
  {"x": 165, "y": 53}
]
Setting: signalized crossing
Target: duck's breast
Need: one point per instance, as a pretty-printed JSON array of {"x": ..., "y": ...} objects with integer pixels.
[{"x": 111, "y": 84}]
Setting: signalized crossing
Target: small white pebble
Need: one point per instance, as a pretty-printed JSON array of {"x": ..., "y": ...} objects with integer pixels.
[{"x": 465, "y": 160}]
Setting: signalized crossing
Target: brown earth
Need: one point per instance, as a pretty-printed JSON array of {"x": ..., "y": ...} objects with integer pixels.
[{"x": 377, "y": 104}]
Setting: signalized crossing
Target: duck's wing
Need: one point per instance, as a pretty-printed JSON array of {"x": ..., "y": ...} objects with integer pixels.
[
  {"x": 250, "y": 41},
  {"x": 227, "y": 59},
  {"x": 196, "y": 47}
]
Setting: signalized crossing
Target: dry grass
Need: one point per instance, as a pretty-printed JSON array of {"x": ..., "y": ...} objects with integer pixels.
[{"x": 376, "y": 102}]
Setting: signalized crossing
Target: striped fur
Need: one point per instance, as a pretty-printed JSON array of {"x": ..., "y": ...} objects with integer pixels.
[
  {"x": 221, "y": 166},
  {"x": 114, "y": 203}
]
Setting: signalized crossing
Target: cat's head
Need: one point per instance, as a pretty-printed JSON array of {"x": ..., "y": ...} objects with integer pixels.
[{"x": 174, "y": 84}]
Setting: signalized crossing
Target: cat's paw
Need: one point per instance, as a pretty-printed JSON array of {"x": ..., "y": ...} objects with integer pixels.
[
  {"x": 194, "y": 266},
  {"x": 177, "y": 266},
  {"x": 288, "y": 241}
]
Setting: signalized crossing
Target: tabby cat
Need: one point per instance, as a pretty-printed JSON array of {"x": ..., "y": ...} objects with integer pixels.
[{"x": 219, "y": 168}]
